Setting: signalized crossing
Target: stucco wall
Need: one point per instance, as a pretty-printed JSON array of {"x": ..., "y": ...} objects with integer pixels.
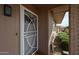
[
  {"x": 43, "y": 31},
  {"x": 9, "y": 27}
]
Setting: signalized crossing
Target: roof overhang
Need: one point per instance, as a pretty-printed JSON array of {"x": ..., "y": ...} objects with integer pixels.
[{"x": 59, "y": 12}]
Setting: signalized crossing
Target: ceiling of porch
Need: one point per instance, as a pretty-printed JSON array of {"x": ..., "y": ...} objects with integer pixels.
[
  {"x": 48, "y": 6},
  {"x": 57, "y": 10}
]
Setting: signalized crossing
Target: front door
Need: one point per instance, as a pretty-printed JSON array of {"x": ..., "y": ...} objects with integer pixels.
[{"x": 28, "y": 31}]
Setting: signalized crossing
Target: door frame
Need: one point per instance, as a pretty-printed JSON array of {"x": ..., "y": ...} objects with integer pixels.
[{"x": 22, "y": 8}]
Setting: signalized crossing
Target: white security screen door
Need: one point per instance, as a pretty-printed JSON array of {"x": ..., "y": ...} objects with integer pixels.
[{"x": 29, "y": 31}]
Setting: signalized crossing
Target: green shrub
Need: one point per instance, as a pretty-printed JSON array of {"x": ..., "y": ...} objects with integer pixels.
[
  {"x": 64, "y": 46},
  {"x": 64, "y": 37}
]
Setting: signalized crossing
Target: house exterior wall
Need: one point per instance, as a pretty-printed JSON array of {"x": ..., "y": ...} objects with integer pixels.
[
  {"x": 74, "y": 29},
  {"x": 9, "y": 31},
  {"x": 43, "y": 32}
]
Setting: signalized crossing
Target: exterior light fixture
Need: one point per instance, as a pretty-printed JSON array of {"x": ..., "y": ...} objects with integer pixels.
[{"x": 7, "y": 10}]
